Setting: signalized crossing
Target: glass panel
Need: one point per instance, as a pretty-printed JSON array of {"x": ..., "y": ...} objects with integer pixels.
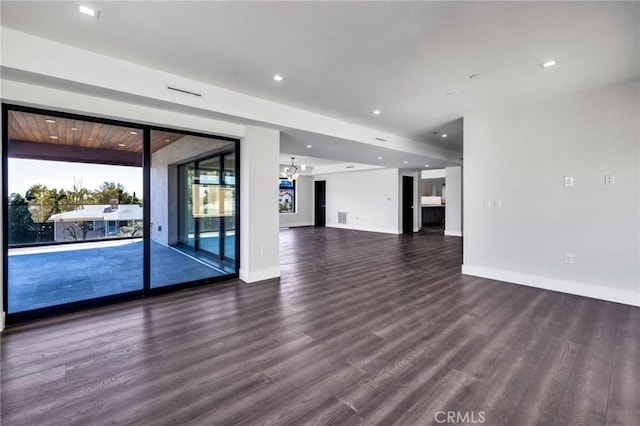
[
  {"x": 75, "y": 219},
  {"x": 229, "y": 216},
  {"x": 207, "y": 205},
  {"x": 186, "y": 213}
]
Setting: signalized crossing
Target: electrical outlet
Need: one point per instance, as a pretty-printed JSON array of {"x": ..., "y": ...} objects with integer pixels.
[
  {"x": 609, "y": 179},
  {"x": 568, "y": 258},
  {"x": 568, "y": 181}
]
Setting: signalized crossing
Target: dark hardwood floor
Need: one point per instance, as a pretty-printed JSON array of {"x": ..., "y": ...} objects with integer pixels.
[{"x": 362, "y": 328}]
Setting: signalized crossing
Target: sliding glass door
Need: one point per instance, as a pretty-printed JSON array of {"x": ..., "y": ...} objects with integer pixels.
[
  {"x": 194, "y": 221},
  {"x": 75, "y": 210},
  {"x": 99, "y": 210}
]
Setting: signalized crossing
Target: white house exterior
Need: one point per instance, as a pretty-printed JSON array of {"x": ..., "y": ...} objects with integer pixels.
[{"x": 104, "y": 221}]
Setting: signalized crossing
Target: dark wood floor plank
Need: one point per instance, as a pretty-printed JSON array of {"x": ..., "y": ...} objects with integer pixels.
[{"x": 362, "y": 328}]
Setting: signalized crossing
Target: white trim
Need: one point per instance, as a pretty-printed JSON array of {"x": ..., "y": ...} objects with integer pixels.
[
  {"x": 364, "y": 228},
  {"x": 601, "y": 292},
  {"x": 293, "y": 225},
  {"x": 261, "y": 275},
  {"x": 453, "y": 233}
]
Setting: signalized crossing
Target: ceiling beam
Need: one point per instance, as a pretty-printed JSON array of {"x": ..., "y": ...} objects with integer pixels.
[{"x": 74, "y": 154}]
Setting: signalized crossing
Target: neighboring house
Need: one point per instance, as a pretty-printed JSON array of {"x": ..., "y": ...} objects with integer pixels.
[{"x": 97, "y": 221}]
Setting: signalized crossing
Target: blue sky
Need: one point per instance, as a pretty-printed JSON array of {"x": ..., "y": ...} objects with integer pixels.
[{"x": 55, "y": 174}]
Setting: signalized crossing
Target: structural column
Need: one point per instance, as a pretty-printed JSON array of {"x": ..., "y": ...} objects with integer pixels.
[{"x": 259, "y": 218}]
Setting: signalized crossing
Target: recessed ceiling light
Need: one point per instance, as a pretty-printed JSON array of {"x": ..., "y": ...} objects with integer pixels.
[
  {"x": 548, "y": 64},
  {"x": 74, "y": 128},
  {"x": 167, "y": 140},
  {"x": 48, "y": 120},
  {"x": 406, "y": 162},
  {"x": 121, "y": 144},
  {"x": 453, "y": 92},
  {"x": 88, "y": 11},
  {"x": 54, "y": 137},
  {"x": 426, "y": 165},
  {"x": 379, "y": 158},
  {"x": 309, "y": 146},
  {"x": 133, "y": 133},
  {"x": 443, "y": 135},
  {"x": 90, "y": 139},
  {"x": 303, "y": 167},
  {"x": 377, "y": 112},
  {"x": 278, "y": 77}
]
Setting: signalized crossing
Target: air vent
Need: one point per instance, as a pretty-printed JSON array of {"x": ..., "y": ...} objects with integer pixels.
[
  {"x": 342, "y": 218},
  {"x": 186, "y": 92},
  {"x": 381, "y": 140},
  {"x": 349, "y": 167}
]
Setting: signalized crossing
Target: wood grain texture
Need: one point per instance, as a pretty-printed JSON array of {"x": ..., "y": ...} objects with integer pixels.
[
  {"x": 362, "y": 328},
  {"x": 38, "y": 128}
]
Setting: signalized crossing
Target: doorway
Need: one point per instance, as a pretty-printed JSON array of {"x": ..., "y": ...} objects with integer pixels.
[
  {"x": 320, "y": 191},
  {"x": 407, "y": 204}
]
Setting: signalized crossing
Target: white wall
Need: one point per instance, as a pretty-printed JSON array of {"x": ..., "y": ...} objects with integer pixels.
[
  {"x": 164, "y": 195},
  {"x": 304, "y": 205},
  {"x": 259, "y": 217},
  {"x": 520, "y": 156},
  {"x": 453, "y": 208},
  {"x": 370, "y": 199}
]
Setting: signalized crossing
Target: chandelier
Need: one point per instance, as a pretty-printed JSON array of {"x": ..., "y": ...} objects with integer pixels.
[{"x": 291, "y": 172}]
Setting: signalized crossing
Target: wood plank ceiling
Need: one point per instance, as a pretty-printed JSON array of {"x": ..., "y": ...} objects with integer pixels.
[{"x": 80, "y": 136}]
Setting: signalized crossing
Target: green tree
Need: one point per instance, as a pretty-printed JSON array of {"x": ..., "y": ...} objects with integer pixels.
[
  {"x": 22, "y": 229},
  {"x": 79, "y": 195},
  {"x": 113, "y": 191},
  {"x": 44, "y": 202}
]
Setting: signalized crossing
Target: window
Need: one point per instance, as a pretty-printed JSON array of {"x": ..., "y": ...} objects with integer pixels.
[{"x": 287, "y": 196}]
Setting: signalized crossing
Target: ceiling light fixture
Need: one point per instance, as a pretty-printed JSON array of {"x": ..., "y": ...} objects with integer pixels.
[
  {"x": 406, "y": 162},
  {"x": 426, "y": 165},
  {"x": 48, "y": 120},
  {"x": 167, "y": 140},
  {"x": 121, "y": 144},
  {"x": 133, "y": 133},
  {"x": 309, "y": 146},
  {"x": 379, "y": 158},
  {"x": 54, "y": 137},
  {"x": 377, "y": 112},
  {"x": 548, "y": 64},
  {"x": 291, "y": 172},
  {"x": 88, "y": 11},
  {"x": 443, "y": 135},
  {"x": 278, "y": 77},
  {"x": 74, "y": 128}
]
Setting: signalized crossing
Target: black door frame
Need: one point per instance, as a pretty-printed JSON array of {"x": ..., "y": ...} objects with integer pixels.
[
  {"x": 146, "y": 216},
  {"x": 222, "y": 221},
  {"x": 408, "y": 209},
  {"x": 320, "y": 188}
]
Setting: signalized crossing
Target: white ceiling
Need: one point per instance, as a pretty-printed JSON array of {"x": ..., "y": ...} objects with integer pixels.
[{"x": 345, "y": 59}]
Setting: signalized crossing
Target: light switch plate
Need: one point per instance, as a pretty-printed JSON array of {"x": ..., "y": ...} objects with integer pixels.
[
  {"x": 609, "y": 179},
  {"x": 568, "y": 181}
]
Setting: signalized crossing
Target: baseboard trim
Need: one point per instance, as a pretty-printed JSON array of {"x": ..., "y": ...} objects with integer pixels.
[
  {"x": 364, "y": 228},
  {"x": 453, "y": 233},
  {"x": 295, "y": 225},
  {"x": 260, "y": 275},
  {"x": 563, "y": 286}
]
